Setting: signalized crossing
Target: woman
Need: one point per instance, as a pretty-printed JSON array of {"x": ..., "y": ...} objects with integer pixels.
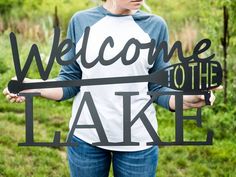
[{"x": 116, "y": 21}]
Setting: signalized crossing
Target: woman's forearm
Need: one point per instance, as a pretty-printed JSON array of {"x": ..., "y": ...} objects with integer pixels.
[{"x": 49, "y": 93}]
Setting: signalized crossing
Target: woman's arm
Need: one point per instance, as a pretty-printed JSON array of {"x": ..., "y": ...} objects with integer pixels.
[{"x": 49, "y": 93}]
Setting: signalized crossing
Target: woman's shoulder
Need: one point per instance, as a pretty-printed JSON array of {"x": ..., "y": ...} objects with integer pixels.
[
  {"x": 86, "y": 14},
  {"x": 151, "y": 19}
]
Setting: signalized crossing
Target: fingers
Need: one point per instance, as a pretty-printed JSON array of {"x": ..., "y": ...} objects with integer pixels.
[
  {"x": 14, "y": 78},
  {"x": 11, "y": 97},
  {"x": 17, "y": 99},
  {"x": 218, "y": 88},
  {"x": 6, "y": 91},
  {"x": 194, "y": 98},
  {"x": 212, "y": 98},
  {"x": 20, "y": 99},
  {"x": 8, "y": 97},
  {"x": 12, "y": 100},
  {"x": 191, "y": 98},
  {"x": 201, "y": 97},
  {"x": 194, "y": 105},
  {"x": 197, "y": 101}
]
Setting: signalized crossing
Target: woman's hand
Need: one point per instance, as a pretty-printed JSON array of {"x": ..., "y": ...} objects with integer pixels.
[
  {"x": 15, "y": 97},
  {"x": 193, "y": 101}
]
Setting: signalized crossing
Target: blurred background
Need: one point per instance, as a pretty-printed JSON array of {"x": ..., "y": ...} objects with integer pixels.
[{"x": 188, "y": 21}]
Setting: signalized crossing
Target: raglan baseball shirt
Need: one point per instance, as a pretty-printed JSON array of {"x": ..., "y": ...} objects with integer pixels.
[{"x": 109, "y": 106}]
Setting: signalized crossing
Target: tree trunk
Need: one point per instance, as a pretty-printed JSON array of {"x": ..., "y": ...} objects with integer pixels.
[
  {"x": 56, "y": 22},
  {"x": 225, "y": 44}
]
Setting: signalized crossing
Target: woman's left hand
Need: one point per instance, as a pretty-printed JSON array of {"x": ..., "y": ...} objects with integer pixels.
[{"x": 193, "y": 101}]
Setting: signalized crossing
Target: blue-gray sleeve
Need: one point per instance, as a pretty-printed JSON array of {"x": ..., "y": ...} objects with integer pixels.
[
  {"x": 72, "y": 71},
  {"x": 158, "y": 65}
]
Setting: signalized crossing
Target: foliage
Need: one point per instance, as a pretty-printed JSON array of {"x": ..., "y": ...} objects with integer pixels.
[
  {"x": 44, "y": 9},
  {"x": 7, "y": 5},
  {"x": 213, "y": 24}
]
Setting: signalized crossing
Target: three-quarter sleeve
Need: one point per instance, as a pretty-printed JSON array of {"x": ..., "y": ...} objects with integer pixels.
[
  {"x": 157, "y": 66},
  {"x": 71, "y": 71}
]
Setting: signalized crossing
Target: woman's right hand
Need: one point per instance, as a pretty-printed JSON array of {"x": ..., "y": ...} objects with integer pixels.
[{"x": 13, "y": 97}]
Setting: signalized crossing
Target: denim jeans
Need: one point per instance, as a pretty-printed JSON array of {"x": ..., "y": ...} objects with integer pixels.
[{"x": 86, "y": 160}]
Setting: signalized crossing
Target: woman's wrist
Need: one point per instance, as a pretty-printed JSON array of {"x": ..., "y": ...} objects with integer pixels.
[{"x": 172, "y": 103}]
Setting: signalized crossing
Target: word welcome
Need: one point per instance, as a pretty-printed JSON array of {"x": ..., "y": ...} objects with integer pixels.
[{"x": 60, "y": 49}]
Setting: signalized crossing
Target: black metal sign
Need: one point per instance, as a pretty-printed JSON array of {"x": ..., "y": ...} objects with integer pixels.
[{"x": 192, "y": 76}]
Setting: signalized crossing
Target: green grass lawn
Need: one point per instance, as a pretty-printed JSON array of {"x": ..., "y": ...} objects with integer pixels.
[{"x": 49, "y": 116}]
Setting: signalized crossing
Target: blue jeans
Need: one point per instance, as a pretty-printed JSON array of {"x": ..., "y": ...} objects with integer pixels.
[{"x": 86, "y": 160}]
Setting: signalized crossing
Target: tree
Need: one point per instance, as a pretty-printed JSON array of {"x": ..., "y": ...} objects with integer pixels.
[{"x": 219, "y": 19}]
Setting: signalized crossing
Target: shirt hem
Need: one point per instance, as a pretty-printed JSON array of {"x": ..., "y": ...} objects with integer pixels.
[{"x": 116, "y": 148}]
